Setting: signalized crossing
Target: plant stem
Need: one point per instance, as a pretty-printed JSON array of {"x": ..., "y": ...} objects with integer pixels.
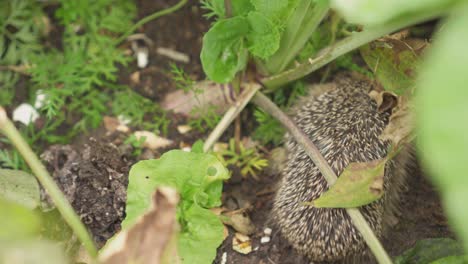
[
  {"x": 346, "y": 45},
  {"x": 290, "y": 32},
  {"x": 59, "y": 199},
  {"x": 149, "y": 18},
  {"x": 228, "y": 8},
  {"x": 314, "y": 16},
  {"x": 358, "y": 219},
  {"x": 230, "y": 115}
]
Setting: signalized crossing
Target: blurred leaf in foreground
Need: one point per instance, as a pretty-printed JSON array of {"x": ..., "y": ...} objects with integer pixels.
[
  {"x": 427, "y": 250},
  {"x": 442, "y": 117},
  {"x": 20, "y": 187},
  {"x": 152, "y": 238}
]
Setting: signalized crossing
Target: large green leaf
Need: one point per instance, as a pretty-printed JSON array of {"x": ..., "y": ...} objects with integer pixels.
[
  {"x": 271, "y": 8},
  {"x": 223, "y": 53},
  {"x": 202, "y": 234},
  {"x": 20, "y": 187},
  {"x": 452, "y": 260},
  {"x": 17, "y": 222},
  {"x": 358, "y": 185},
  {"x": 442, "y": 117},
  {"x": 371, "y": 12},
  {"x": 198, "y": 179},
  {"x": 393, "y": 62},
  {"x": 428, "y": 250},
  {"x": 264, "y": 37}
]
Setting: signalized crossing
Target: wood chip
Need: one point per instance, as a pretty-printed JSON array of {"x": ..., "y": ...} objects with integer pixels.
[
  {"x": 173, "y": 54},
  {"x": 241, "y": 243},
  {"x": 152, "y": 141}
]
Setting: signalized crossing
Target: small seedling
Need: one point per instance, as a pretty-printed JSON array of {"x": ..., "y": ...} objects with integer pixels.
[
  {"x": 249, "y": 160},
  {"x": 136, "y": 143}
]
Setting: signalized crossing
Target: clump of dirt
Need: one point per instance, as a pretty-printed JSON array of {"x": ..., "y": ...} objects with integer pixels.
[{"x": 94, "y": 179}]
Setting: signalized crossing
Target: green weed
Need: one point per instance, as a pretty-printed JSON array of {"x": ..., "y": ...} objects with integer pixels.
[{"x": 249, "y": 160}]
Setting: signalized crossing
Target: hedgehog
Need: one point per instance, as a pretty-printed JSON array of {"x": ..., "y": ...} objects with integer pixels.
[{"x": 345, "y": 123}]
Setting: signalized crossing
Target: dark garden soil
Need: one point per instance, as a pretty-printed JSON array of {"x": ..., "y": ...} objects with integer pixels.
[{"x": 94, "y": 172}]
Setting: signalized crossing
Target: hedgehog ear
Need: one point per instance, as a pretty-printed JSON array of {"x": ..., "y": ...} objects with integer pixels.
[
  {"x": 386, "y": 101},
  {"x": 389, "y": 101}
]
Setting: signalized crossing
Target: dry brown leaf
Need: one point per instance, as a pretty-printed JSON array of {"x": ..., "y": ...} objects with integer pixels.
[
  {"x": 241, "y": 243},
  {"x": 401, "y": 125},
  {"x": 240, "y": 221},
  {"x": 152, "y": 141},
  {"x": 207, "y": 94},
  {"x": 183, "y": 129},
  {"x": 173, "y": 54},
  {"x": 152, "y": 238},
  {"x": 111, "y": 123},
  {"x": 135, "y": 78}
]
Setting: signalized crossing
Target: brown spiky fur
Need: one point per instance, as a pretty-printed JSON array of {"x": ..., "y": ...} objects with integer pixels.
[{"x": 345, "y": 124}]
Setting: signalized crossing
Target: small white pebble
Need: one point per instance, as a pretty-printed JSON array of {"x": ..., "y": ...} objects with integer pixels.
[
  {"x": 41, "y": 99},
  {"x": 184, "y": 129},
  {"x": 25, "y": 114},
  {"x": 267, "y": 231},
  {"x": 224, "y": 258},
  {"x": 256, "y": 248},
  {"x": 142, "y": 57},
  {"x": 124, "y": 120},
  {"x": 187, "y": 149},
  {"x": 265, "y": 239}
]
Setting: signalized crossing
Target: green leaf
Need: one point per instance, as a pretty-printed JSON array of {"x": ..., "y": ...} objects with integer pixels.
[
  {"x": 20, "y": 187},
  {"x": 202, "y": 234},
  {"x": 442, "y": 112},
  {"x": 241, "y": 7},
  {"x": 393, "y": 62},
  {"x": 371, "y": 12},
  {"x": 427, "y": 250},
  {"x": 198, "y": 179},
  {"x": 17, "y": 222},
  {"x": 452, "y": 260},
  {"x": 271, "y": 8},
  {"x": 358, "y": 185},
  {"x": 223, "y": 53},
  {"x": 197, "y": 147},
  {"x": 32, "y": 252},
  {"x": 264, "y": 38}
]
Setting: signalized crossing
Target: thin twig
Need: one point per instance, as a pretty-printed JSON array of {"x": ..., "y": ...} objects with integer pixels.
[
  {"x": 228, "y": 8},
  {"x": 231, "y": 114},
  {"x": 59, "y": 199},
  {"x": 22, "y": 69},
  {"x": 149, "y": 18},
  {"x": 312, "y": 151}
]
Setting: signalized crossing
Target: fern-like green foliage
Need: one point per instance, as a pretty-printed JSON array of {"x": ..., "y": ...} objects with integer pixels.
[
  {"x": 80, "y": 77},
  {"x": 21, "y": 24},
  {"x": 270, "y": 130},
  {"x": 248, "y": 160},
  {"x": 205, "y": 118},
  {"x": 12, "y": 160},
  {"x": 202, "y": 117},
  {"x": 20, "y": 27},
  {"x": 214, "y": 9},
  {"x": 182, "y": 80},
  {"x": 141, "y": 112}
]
